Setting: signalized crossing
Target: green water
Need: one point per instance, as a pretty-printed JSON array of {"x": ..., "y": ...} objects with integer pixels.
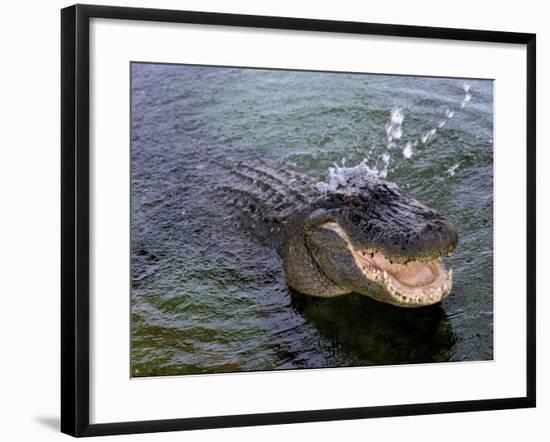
[{"x": 209, "y": 296}]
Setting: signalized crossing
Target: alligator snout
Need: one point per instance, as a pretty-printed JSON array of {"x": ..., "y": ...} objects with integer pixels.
[{"x": 419, "y": 241}]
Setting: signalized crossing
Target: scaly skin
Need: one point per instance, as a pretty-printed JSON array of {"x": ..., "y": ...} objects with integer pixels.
[{"x": 373, "y": 239}]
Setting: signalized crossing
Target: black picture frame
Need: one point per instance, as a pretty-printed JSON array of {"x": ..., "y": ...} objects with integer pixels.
[{"x": 75, "y": 225}]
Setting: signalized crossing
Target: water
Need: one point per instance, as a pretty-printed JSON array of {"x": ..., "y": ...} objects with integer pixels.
[{"x": 209, "y": 294}]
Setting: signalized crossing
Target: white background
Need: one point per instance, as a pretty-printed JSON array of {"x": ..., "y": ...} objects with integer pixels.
[
  {"x": 116, "y": 398},
  {"x": 29, "y": 179}
]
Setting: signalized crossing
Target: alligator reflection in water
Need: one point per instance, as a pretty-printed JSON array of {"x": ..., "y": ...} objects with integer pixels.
[{"x": 372, "y": 333}]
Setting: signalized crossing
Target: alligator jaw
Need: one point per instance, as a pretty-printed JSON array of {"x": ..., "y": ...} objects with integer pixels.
[
  {"x": 425, "y": 283},
  {"x": 414, "y": 284}
]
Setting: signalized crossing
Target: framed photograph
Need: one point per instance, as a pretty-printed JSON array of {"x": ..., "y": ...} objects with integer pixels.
[{"x": 275, "y": 220}]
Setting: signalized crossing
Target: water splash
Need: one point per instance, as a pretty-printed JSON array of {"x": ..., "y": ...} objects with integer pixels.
[
  {"x": 467, "y": 95},
  {"x": 393, "y": 127},
  {"x": 408, "y": 150},
  {"x": 452, "y": 170},
  {"x": 347, "y": 179},
  {"x": 428, "y": 136}
]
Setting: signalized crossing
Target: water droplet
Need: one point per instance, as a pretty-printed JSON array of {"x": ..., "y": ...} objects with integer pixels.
[{"x": 408, "y": 150}]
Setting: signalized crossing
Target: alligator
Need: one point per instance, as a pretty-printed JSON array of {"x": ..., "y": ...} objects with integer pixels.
[{"x": 370, "y": 238}]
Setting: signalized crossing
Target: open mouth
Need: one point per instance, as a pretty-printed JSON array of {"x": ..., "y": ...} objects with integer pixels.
[{"x": 414, "y": 284}]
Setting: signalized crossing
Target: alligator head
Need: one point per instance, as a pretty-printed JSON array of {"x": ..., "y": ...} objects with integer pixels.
[{"x": 377, "y": 241}]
